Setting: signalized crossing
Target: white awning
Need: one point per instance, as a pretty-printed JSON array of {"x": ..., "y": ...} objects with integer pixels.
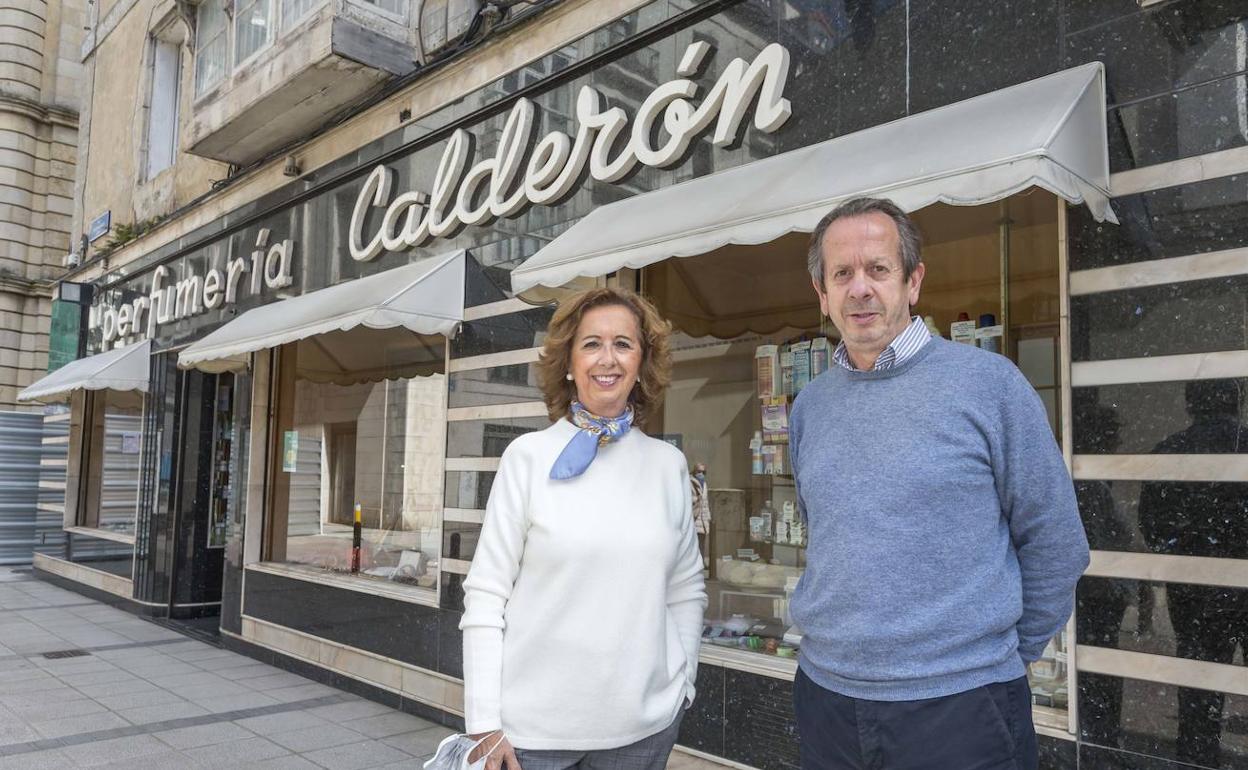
[
  {"x": 118, "y": 369},
  {"x": 1047, "y": 133},
  {"x": 425, "y": 297}
]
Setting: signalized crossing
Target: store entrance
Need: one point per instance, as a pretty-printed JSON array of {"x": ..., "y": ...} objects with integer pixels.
[{"x": 191, "y": 487}]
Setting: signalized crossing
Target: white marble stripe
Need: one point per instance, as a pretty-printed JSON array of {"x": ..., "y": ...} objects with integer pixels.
[
  {"x": 1165, "y": 568},
  {"x": 485, "y": 464},
  {"x": 464, "y": 515},
  {"x": 490, "y": 360},
  {"x": 1190, "y": 366},
  {"x": 1176, "y": 172},
  {"x": 1155, "y": 272},
  {"x": 1226, "y": 467},
  {"x": 1165, "y": 669},
  {"x": 455, "y": 566},
  {"x": 497, "y": 411},
  {"x": 477, "y": 312},
  {"x": 79, "y": 573}
]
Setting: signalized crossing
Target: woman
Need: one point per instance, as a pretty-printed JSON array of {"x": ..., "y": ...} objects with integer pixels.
[{"x": 583, "y": 607}]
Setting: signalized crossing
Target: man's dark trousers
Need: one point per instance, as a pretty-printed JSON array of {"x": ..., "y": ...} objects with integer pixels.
[{"x": 988, "y": 728}]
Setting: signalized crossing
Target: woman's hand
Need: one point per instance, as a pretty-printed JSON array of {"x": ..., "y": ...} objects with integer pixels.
[{"x": 499, "y": 750}]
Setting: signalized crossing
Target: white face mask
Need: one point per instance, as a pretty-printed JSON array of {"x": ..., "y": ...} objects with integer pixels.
[{"x": 454, "y": 750}]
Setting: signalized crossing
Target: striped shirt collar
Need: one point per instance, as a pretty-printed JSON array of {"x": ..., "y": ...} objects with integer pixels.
[{"x": 898, "y": 351}]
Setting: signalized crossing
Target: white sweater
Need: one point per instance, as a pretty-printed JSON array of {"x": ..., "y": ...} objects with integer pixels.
[{"x": 583, "y": 607}]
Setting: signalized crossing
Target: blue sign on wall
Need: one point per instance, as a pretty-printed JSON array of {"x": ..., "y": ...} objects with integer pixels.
[{"x": 99, "y": 226}]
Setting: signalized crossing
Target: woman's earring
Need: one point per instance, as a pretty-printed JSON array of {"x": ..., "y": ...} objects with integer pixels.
[{"x": 568, "y": 376}]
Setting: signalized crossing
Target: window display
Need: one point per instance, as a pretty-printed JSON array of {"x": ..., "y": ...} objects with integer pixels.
[
  {"x": 362, "y": 440},
  {"x": 115, "y": 446},
  {"x": 749, "y": 337}
]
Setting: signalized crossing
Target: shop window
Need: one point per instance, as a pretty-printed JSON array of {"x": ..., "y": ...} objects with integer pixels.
[
  {"x": 113, "y": 447},
  {"x": 361, "y": 427},
  {"x": 741, "y": 307},
  {"x": 212, "y": 44},
  {"x": 162, "y": 108}
]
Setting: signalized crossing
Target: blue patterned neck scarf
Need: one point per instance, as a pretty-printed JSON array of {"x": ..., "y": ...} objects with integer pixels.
[{"x": 594, "y": 432}]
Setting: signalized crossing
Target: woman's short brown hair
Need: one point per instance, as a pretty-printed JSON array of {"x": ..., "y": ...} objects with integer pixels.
[{"x": 556, "y": 360}]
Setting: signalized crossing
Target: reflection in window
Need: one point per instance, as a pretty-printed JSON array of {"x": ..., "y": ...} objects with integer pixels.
[
  {"x": 253, "y": 28},
  {"x": 363, "y": 428},
  {"x": 115, "y": 442},
  {"x": 749, "y": 336},
  {"x": 212, "y": 42}
]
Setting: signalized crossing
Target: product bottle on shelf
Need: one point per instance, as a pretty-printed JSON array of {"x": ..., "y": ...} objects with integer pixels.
[
  {"x": 756, "y": 453},
  {"x": 769, "y": 518}
]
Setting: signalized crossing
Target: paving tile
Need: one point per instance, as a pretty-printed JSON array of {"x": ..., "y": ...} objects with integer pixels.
[
  {"x": 281, "y": 722},
  {"x": 61, "y": 726},
  {"x": 133, "y": 700},
  {"x": 419, "y": 743},
  {"x": 223, "y": 703},
  {"x": 354, "y": 756},
  {"x": 103, "y": 752},
  {"x": 148, "y": 714},
  {"x": 204, "y": 735},
  {"x": 234, "y": 753},
  {"x": 17, "y": 733},
  {"x": 277, "y": 681},
  {"x": 97, "y": 677},
  {"x": 126, "y": 687},
  {"x": 288, "y": 762},
  {"x": 52, "y": 759},
  {"x": 348, "y": 710},
  {"x": 247, "y": 671},
  {"x": 165, "y": 760},
  {"x": 176, "y": 682},
  {"x": 313, "y": 738},
  {"x": 385, "y": 725},
  {"x": 69, "y": 708},
  {"x": 301, "y": 692}
]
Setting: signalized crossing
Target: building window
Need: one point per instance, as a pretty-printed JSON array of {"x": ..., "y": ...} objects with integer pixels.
[
  {"x": 362, "y": 424},
  {"x": 395, "y": 7},
  {"x": 162, "y": 110},
  {"x": 253, "y": 28},
  {"x": 294, "y": 11},
  {"x": 749, "y": 336},
  {"x": 212, "y": 43}
]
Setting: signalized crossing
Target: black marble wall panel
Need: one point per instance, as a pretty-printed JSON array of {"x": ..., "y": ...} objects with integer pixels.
[
  {"x": 488, "y": 438},
  {"x": 1176, "y": 518},
  {"x": 1181, "y": 124},
  {"x": 703, "y": 726},
  {"x": 452, "y": 593},
  {"x": 1098, "y": 758},
  {"x": 1203, "y": 728},
  {"x": 1181, "y": 620},
  {"x": 964, "y": 48},
  {"x": 1082, "y": 14},
  {"x": 497, "y": 385},
  {"x": 1156, "y": 50},
  {"x": 1194, "y": 417},
  {"x": 761, "y": 729},
  {"x": 1170, "y": 222},
  {"x": 1056, "y": 753},
  {"x": 501, "y": 333},
  {"x": 411, "y": 633},
  {"x": 1189, "y": 317}
]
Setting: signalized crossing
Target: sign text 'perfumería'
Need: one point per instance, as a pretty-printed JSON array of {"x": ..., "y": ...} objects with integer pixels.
[
  {"x": 504, "y": 185},
  {"x": 268, "y": 265}
]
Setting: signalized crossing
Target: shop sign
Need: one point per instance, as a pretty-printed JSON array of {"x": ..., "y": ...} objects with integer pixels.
[
  {"x": 290, "y": 451},
  {"x": 268, "y": 265},
  {"x": 504, "y": 185}
]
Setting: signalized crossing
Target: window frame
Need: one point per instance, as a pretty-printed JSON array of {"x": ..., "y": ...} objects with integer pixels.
[{"x": 155, "y": 42}]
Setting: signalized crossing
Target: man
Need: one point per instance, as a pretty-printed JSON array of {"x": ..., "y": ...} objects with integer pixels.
[{"x": 945, "y": 542}]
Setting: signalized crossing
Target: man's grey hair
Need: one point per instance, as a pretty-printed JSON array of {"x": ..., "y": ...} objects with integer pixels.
[{"x": 910, "y": 246}]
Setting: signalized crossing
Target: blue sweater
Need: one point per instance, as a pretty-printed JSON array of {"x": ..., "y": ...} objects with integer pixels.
[{"x": 944, "y": 538}]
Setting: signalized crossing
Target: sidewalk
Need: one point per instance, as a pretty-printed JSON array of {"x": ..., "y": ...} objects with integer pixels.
[{"x": 137, "y": 695}]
